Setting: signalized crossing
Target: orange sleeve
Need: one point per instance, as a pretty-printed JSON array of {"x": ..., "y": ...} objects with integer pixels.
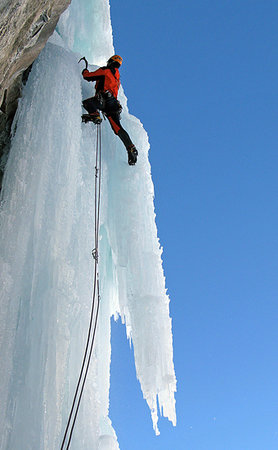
[{"x": 92, "y": 76}]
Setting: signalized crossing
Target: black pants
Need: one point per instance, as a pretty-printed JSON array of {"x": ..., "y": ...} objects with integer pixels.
[{"x": 111, "y": 107}]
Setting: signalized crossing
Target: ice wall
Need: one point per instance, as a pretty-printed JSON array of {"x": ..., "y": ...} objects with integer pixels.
[{"x": 47, "y": 228}]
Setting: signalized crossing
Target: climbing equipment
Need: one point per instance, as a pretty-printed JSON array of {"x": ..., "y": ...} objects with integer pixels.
[
  {"x": 92, "y": 117},
  {"x": 115, "y": 58},
  {"x": 94, "y": 308},
  {"x": 132, "y": 155},
  {"x": 86, "y": 62}
]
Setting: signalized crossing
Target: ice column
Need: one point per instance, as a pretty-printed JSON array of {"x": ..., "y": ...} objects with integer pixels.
[{"x": 47, "y": 223}]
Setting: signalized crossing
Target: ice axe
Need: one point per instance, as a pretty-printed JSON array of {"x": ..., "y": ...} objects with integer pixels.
[{"x": 86, "y": 62}]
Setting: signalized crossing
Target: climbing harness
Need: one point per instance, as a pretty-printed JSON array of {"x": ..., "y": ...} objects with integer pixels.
[{"x": 94, "y": 309}]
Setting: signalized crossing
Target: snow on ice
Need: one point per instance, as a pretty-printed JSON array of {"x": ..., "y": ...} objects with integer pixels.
[{"x": 47, "y": 224}]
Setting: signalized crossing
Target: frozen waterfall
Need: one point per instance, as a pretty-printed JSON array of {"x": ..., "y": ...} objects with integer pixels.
[{"x": 47, "y": 229}]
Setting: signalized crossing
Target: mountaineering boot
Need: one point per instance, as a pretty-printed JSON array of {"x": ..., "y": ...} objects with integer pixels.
[
  {"x": 93, "y": 117},
  {"x": 132, "y": 155}
]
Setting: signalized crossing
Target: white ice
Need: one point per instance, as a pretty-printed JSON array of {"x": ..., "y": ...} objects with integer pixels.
[{"x": 47, "y": 234}]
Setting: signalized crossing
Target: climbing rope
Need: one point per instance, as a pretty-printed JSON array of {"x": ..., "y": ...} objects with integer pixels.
[{"x": 94, "y": 309}]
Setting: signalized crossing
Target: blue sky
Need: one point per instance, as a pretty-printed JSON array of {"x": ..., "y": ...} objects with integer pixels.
[{"x": 202, "y": 77}]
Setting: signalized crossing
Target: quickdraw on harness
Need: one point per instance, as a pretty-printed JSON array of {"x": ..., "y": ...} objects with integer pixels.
[
  {"x": 104, "y": 98},
  {"x": 94, "y": 308}
]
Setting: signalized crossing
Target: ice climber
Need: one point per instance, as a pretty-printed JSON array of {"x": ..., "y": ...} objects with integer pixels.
[{"x": 107, "y": 85}]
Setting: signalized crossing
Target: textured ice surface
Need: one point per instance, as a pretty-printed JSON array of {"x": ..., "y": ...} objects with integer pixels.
[{"x": 47, "y": 225}]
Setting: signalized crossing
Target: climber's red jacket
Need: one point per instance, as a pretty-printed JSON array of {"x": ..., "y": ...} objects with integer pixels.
[{"x": 107, "y": 79}]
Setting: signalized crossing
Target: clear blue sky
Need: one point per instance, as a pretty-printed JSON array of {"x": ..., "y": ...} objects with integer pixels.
[{"x": 203, "y": 78}]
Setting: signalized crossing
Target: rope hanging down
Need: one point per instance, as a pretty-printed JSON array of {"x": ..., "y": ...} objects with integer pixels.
[{"x": 94, "y": 309}]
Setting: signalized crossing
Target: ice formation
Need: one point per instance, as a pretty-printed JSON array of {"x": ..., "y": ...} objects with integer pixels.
[{"x": 47, "y": 226}]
